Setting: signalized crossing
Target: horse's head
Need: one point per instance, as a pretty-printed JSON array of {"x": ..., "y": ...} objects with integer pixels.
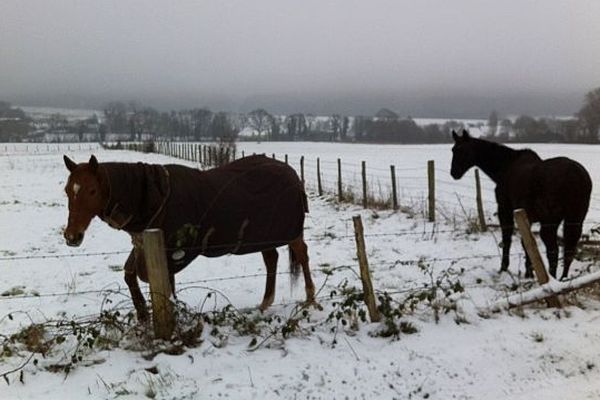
[
  {"x": 463, "y": 154},
  {"x": 87, "y": 198}
]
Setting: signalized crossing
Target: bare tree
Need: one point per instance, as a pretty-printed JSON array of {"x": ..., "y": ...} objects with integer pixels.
[
  {"x": 310, "y": 123},
  {"x": 492, "y": 123},
  {"x": 589, "y": 115},
  {"x": 260, "y": 120},
  {"x": 115, "y": 114},
  {"x": 336, "y": 126},
  {"x": 201, "y": 122},
  {"x": 296, "y": 126}
]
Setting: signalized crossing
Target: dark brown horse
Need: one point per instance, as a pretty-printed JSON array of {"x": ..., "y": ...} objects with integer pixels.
[
  {"x": 254, "y": 204},
  {"x": 552, "y": 191}
]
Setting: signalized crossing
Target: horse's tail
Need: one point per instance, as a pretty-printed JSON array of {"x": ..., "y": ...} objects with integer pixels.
[
  {"x": 305, "y": 202},
  {"x": 295, "y": 266}
]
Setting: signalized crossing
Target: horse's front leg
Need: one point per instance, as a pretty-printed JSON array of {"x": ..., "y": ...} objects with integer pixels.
[
  {"x": 505, "y": 216},
  {"x": 134, "y": 288}
]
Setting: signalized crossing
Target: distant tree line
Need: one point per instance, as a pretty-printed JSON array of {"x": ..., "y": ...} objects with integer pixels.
[
  {"x": 132, "y": 121},
  {"x": 259, "y": 124},
  {"x": 14, "y": 124},
  {"x": 583, "y": 127}
]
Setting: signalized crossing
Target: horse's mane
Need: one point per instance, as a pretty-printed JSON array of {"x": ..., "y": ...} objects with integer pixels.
[{"x": 505, "y": 151}]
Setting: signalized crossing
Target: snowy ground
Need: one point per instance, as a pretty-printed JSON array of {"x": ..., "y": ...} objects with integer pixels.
[
  {"x": 468, "y": 354},
  {"x": 410, "y": 161}
]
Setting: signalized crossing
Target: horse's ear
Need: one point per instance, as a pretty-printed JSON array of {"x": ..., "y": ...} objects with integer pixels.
[
  {"x": 465, "y": 134},
  {"x": 93, "y": 163},
  {"x": 71, "y": 165},
  {"x": 455, "y": 136}
]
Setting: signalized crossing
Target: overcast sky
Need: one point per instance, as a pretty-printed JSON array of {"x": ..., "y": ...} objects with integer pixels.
[{"x": 305, "y": 53}]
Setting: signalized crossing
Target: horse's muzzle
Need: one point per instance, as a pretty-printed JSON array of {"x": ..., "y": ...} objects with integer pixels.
[
  {"x": 456, "y": 174},
  {"x": 74, "y": 240}
]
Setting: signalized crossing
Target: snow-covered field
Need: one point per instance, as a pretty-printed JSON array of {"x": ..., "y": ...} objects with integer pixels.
[
  {"x": 469, "y": 354},
  {"x": 453, "y": 198}
]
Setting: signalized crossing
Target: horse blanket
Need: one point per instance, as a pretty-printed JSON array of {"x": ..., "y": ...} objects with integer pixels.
[{"x": 249, "y": 205}]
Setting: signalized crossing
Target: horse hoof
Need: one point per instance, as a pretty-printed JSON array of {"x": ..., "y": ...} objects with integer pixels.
[
  {"x": 312, "y": 303},
  {"x": 265, "y": 305}
]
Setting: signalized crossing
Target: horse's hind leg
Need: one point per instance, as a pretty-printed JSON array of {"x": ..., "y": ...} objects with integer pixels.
[
  {"x": 134, "y": 288},
  {"x": 548, "y": 235},
  {"x": 270, "y": 258},
  {"x": 505, "y": 215},
  {"x": 572, "y": 233},
  {"x": 300, "y": 253}
]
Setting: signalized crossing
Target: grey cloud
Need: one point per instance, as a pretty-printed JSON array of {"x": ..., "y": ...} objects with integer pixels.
[{"x": 230, "y": 53}]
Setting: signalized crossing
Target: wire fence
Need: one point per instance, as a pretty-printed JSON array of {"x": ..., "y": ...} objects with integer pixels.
[
  {"x": 329, "y": 184},
  {"x": 423, "y": 231},
  {"x": 428, "y": 194},
  {"x": 348, "y": 265},
  {"x": 426, "y": 231}
]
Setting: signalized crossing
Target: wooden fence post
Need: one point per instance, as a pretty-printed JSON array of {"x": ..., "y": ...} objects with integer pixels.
[
  {"x": 363, "y": 168},
  {"x": 319, "y": 185},
  {"x": 480, "y": 214},
  {"x": 243, "y": 154},
  {"x": 365, "y": 276},
  {"x": 302, "y": 169},
  {"x": 286, "y": 159},
  {"x": 394, "y": 192},
  {"x": 431, "y": 192},
  {"x": 340, "y": 191},
  {"x": 160, "y": 286},
  {"x": 533, "y": 253}
]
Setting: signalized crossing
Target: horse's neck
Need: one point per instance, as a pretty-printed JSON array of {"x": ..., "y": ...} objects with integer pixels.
[
  {"x": 124, "y": 192},
  {"x": 494, "y": 159}
]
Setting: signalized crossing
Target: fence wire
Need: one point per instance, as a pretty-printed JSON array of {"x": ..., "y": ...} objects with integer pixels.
[{"x": 329, "y": 180}]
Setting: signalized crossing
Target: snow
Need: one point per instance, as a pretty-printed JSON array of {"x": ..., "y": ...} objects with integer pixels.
[
  {"x": 534, "y": 353},
  {"x": 453, "y": 198}
]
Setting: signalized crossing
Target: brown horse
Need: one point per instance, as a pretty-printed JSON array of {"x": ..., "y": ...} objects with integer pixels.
[
  {"x": 552, "y": 191},
  {"x": 254, "y": 204}
]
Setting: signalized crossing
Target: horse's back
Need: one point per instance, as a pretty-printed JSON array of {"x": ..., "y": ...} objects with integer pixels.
[
  {"x": 562, "y": 189},
  {"x": 251, "y": 200},
  {"x": 566, "y": 174},
  {"x": 573, "y": 179}
]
